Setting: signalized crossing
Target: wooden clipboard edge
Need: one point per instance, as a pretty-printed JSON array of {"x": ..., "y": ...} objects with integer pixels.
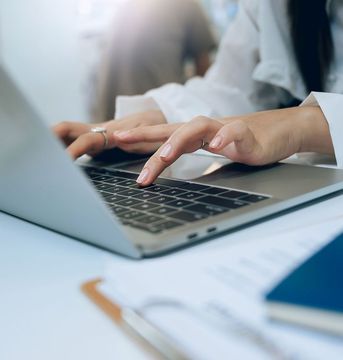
[{"x": 89, "y": 288}]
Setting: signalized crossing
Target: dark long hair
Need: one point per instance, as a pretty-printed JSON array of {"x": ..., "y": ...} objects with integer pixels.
[{"x": 312, "y": 40}]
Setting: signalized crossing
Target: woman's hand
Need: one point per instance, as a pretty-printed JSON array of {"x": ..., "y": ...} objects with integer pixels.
[
  {"x": 79, "y": 140},
  {"x": 256, "y": 139}
]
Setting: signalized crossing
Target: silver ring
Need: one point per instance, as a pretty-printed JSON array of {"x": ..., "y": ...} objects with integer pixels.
[{"x": 103, "y": 131}]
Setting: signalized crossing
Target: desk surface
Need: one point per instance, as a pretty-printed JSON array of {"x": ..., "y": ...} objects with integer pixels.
[{"x": 43, "y": 314}]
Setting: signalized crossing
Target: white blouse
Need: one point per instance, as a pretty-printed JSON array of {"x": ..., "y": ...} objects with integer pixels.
[
  {"x": 332, "y": 107},
  {"x": 255, "y": 69}
]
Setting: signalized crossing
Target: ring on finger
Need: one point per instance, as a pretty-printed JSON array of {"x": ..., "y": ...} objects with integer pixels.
[{"x": 103, "y": 132}]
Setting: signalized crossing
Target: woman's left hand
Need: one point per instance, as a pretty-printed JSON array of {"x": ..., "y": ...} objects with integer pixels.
[{"x": 255, "y": 139}]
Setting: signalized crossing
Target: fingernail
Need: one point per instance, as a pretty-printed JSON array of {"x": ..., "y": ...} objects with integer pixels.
[
  {"x": 121, "y": 133},
  {"x": 143, "y": 176},
  {"x": 216, "y": 142},
  {"x": 166, "y": 151}
]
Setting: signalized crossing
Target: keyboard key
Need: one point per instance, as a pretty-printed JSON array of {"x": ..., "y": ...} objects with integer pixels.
[
  {"x": 145, "y": 195},
  {"x": 233, "y": 194},
  {"x": 226, "y": 203},
  {"x": 146, "y": 206},
  {"x": 129, "y": 183},
  {"x": 129, "y": 192},
  {"x": 101, "y": 178},
  {"x": 178, "y": 203},
  {"x": 171, "y": 183},
  {"x": 187, "y": 216},
  {"x": 118, "y": 209},
  {"x": 114, "y": 181},
  {"x": 110, "y": 198},
  {"x": 102, "y": 186},
  {"x": 162, "y": 210},
  {"x": 195, "y": 187},
  {"x": 213, "y": 191},
  {"x": 162, "y": 199},
  {"x": 189, "y": 195},
  {"x": 173, "y": 192},
  {"x": 125, "y": 174},
  {"x": 206, "y": 209},
  {"x": 253, "y": 198},
  {"x": 106, "y": 194},
  {"x": 111, "y": 189},
  {"x": 149, "y": 219},
  {"x": 129, "y": 215},
  {"x": 156, "y": 188},
  {"x": 115, "y": 191},
  {"x": 130, "y": 202}
]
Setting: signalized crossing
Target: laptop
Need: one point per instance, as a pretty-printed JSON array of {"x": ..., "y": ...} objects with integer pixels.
[{"x": 101, "y": 204}]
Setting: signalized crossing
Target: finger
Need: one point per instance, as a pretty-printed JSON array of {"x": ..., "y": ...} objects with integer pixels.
[
  {"x": 140, "y": 148},
  {"x": 241, "y": 136},
  {"x": 154, "y": 133},
  {"x": 185, "y": 139},
  {"x": 121, "y": 126},
  {"x": 69, "y": 131},
  {"x": 237, "y": 132},
  {"x": 190, "y": 137},
  {"x": 89, "y": 143}
]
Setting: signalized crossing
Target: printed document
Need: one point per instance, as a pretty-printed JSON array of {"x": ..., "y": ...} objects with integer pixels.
[{"x": 211, "y": 303}]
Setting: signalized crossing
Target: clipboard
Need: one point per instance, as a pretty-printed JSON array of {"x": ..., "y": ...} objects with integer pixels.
[{"x": 134, "y": 325}]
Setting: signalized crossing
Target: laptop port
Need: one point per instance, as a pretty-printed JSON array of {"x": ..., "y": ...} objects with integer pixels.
[
  {"x": 211, "y": 229},
  {"x": 192, "y": 236}
]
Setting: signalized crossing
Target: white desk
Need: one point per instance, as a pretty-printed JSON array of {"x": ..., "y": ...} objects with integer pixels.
[{"x": 43, "y": 314}]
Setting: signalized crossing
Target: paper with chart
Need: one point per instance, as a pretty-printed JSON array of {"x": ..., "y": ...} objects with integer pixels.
[{"x": 211, "y": 303}]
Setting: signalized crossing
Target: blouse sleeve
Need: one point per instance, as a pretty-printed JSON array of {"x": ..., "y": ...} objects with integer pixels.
[
  {"x": 332, "y": 108},
  {"x": 225, "y": 90}
]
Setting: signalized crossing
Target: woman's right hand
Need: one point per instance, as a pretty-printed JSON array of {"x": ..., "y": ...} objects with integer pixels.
[
  {"x": 254, "y": 139},
  {"x": 79, "y": 139}
]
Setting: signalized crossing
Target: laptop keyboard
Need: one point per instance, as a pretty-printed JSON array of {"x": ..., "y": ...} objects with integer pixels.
[{"x": 166, "y": 204}]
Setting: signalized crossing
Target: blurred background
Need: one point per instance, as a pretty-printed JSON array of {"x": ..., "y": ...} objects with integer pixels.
[{"x": 71, "y": 57}]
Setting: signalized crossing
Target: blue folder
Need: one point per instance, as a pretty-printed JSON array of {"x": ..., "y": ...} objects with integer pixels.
[{"x": 312, "y": 295}]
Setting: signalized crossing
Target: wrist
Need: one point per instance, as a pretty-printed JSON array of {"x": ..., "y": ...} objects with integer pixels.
[{"x": 315, "y": 131}]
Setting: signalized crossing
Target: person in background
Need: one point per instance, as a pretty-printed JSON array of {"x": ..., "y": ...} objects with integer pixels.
[
  {"x": 149, "y": 43},
  {"x": 273, "y": 55}
]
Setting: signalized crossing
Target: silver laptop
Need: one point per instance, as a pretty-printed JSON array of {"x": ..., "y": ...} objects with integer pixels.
[{"x": 102, "y": 205}]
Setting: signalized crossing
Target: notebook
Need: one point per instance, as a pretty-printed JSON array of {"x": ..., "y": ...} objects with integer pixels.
[{"x": 312, "y": 295}]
